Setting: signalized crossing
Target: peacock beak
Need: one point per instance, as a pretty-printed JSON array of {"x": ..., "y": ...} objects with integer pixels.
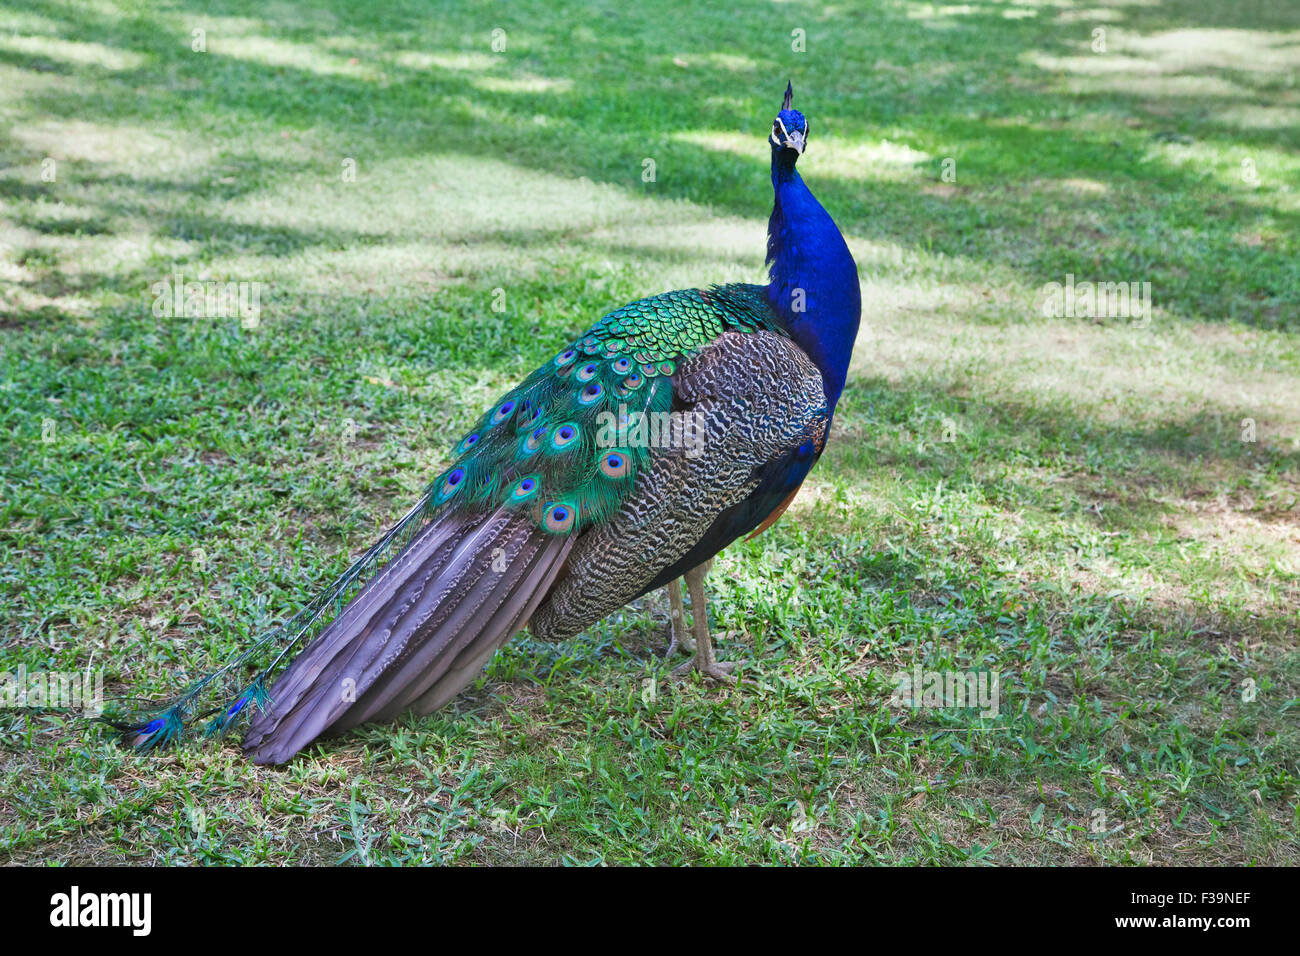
[{"x": 795, "y": 141}]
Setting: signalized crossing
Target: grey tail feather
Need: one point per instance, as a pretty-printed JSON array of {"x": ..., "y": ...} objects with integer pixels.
[
  {"x": 227, "y": 695},
  {"x": 417, "y": 634}
]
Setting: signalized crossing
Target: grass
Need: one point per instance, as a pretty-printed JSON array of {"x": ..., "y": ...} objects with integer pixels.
[{"x": 1076, "y": 504}]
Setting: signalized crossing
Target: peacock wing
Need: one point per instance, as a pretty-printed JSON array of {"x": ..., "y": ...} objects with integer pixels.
[{"x": 761, "y": 418}]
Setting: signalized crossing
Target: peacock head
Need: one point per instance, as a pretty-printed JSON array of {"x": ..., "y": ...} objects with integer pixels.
[{"x": 790, "y": 128}]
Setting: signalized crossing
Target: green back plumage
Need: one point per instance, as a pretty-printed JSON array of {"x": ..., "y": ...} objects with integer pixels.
[{"x": 552, "y": 446}]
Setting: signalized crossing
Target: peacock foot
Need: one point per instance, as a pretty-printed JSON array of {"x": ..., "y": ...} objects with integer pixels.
[
  {"x": 713, "y": 670},
  {"x": 703, "y": 660}
]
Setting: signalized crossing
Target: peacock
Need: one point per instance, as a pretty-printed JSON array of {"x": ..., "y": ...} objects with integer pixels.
[{"x": 672, "y": 427}]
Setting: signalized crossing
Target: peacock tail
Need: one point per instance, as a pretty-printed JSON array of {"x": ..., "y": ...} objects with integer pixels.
[{"x": 552, "y": 449}]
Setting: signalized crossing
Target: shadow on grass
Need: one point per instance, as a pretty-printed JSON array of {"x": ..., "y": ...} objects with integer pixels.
[{"x": 937, "y": 84}]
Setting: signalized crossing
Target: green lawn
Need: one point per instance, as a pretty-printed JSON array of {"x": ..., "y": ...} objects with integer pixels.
[{"x": 1067, "y": 502}]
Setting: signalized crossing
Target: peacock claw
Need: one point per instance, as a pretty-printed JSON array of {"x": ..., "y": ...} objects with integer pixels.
[{"x": 713, "y": 670}]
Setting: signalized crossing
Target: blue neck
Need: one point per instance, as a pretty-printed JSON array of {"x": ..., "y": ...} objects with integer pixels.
[{"x": 813, "y": 285}]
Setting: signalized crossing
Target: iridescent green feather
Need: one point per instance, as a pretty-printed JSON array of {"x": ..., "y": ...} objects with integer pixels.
[{"x": 546, "y": 445}]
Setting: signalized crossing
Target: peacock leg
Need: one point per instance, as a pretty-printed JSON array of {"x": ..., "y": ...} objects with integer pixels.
[
  {"x": 678, "y": 637},
  {"x": 704, "y": 661}
]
